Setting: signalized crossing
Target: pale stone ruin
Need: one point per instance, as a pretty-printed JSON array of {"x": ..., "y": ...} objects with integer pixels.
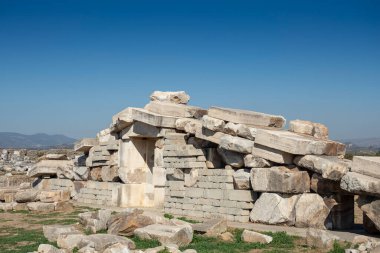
[{"x": 239, "y": 165}]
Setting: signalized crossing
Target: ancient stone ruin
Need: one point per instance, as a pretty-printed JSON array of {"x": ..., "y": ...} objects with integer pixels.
[{"x": 243, "y": 166}]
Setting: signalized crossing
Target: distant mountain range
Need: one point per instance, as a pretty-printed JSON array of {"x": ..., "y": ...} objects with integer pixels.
[
  {"x": 34, "y": 141},
  {"x": 363, "y": 143}
]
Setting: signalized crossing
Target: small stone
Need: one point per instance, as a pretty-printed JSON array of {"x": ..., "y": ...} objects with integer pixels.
[
  {"x": 227, "y": 237},
  {"x": 320, "y": 238},
  {"x": 252, "y": 237}
]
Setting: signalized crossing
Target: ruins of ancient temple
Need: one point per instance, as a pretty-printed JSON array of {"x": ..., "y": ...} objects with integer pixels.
[{"x": 237, "y": 164}]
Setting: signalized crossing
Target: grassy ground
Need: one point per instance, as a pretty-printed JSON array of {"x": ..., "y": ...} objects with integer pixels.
[{"x": 21, "y": 231}]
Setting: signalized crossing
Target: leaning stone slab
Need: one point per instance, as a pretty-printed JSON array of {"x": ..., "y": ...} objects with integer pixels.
[
  {"x": 153, "y": 119},
  {"x": 122, "y": 120},
  {"x": 316, "y": 130},
  {"x": 240, "y": 130},
  {"x": 140, "y": 129},
  {"x": 175, "y": 110},
  {"x": 237, "y": 144},
  {"x": 166, "y": 234},
  {"x": 85, "y": 145},
  {"x": 176, "y": 97},
  {"x": 360, "y": 184},
  {"x": 330, "y": 167},
  {"x": 247, "y": 117},
  {"x": 208, "y": 135},
  {"x": 272, "y": 208},
  {"x": 371, "y": 208},
  {"x": 271, "y": 154},
  {"x": 366, "y": 165},
  {"x": 279, "y": 179},
  {"x": 297, "y": 144},
  {"x": 311, "y": 211},
  {"x": 251, "y": 161}
]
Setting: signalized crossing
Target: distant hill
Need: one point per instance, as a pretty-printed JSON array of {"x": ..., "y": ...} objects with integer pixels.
[
  {"x": 363, "y": 145},
  {"x": 34, "y": 141}
]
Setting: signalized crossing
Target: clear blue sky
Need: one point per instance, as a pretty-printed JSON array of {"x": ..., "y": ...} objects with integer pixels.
[{"x": 67, "y": 66}]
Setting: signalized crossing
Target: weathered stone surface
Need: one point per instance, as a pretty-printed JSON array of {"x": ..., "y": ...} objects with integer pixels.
[
  {"x": 271, "y": 154},
  {"x": 84, "y": 145},
  {"x": 371, "y": 207},
  {"x": 232, "y": 158},
  {"x": 81, "y": 172},
  {"x": 54, "y": 196},
  {"x": 247, "y": 117},
  {"x": 69, "y": 240},
  {"x": 227, "y": 237},
  {"x": 28, "y": 195},
  {"x": 240, "y": 130},
  {"x": 324, "y": 186},
  {"x": 188, "y": 125},
  {"x": 251, "y": 237},
  {"x": 109, "y": 174},
  {"x": 366, "y": 165},
  {"x": 101, "y": 242},
  {"x": 311, "y": 211},
  {"x": 47, "y": 248},
  {"x": 95, "y": 221},
  {"x": 242, "y": 179},
  {"x": 127, "y": 222},
  {"x": 211, "y": 227},
  {"x": 122, "y": 120},
  {"x": 209, "y": 135},
  {"x": 119, "y": 248},
  {"x": 237, "y": 144},
  {"x": 95, "y": 174},
  {"x": 329, "y": 167},
  {"x": 279, "y": 179},
  {"x": 175, "y": 110},
  {"x": 64, "y": 206},
  {"x": 191, "y": 178},
  {"x": 177, "y": 97},
  {"x": 40, "y": 207},
  {"x": 316, "y": 130},
  {"x": 49, "y": 167},
  {"x": 297, "y": 144},
  {"x": 271, "y": 208},
  {"x": 320, "y": 238},
  {"x": 180, "y": 235},
  {"x": 360, "y": 184},
  {"x": 251, "y": 161},
  {"x": 52, "y": 232},
  {"x": 140, "y": 129},
  {"x": 213, "y": 124}
]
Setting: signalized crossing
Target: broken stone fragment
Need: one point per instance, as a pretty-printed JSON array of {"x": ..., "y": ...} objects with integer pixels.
[
  {"x": 251, "y": 161},
  {"x": 213, "y": 227},
  {"x": 232, "y": 158},
  {"x": 237, "y": 144},
  {"x": 240, "y": 130},
  {"x": 316, "y": 130},
  {"x": 254, "y": 237},
  {"x": 188, "y": 125},
  {"x": 247, "y": 117},
  {"x": 320, "y": 238},
  {"x": 360, "y": 184},
  {"x": 271, "y": 154},
  {"x": 279, "y": 179},
  {"x": 52, "y": 232},
  {"x": 371, "y": 208},
  {"x": 177, "y": 97},
  {"x": 242, "y": 179},
  {"x": 100, "y": 242},
  {"x": 213, "y": 124},
  {"x": 175, "y": 110},
  {"x": 84, "y": 145},
  {"x": 311, "y": 211},
  {"x": 330, "y": 167}
]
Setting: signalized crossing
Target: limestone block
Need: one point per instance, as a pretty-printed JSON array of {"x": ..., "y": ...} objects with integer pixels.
[
  {"x": 330, "y": 167},
  {"x": 188, "y": 125},
  {"x": 240, "y": 130},
  {"x": 271, "y": 154},
  {"x": 153, "y": 119},
  {"x": 51, "y": 232},
  {"x": 271, "y": 208},
  {"x": 360, "y": 184},
  {"x": 96, "y": 174},
  {"x": 251, "y": 161},
  {"x": 320, "y": 238},
  {"x": 41, "y": 207},
  {"x": 366, "y": 165},
  {"x": 176, "y": 97},
  {"x": 159, "y": 197},
  {"x": 81, "y": 173},
  {"x": 100, "y": 242},
  {"x": 166, "y": 234},
  {"x": 84, "y": 145},
  {"x": 109, "y": 174},
  {"x": 279, "y": 179},
  {"x": 122, "y": 120},
  {"x": 175, "y": 174},
  {"x": 247, "y": 117},
  {"x": 159, "y": 176},
  {"x": 69, "y": 240},
  {"x": 49, "y": 167},
  {"x": 324, "y": 186},
  {"x": 54, "y": 196},
  {"x": 176, "y": 110},
  {"x": 297, "y": 144},
  {"x": 212, "y": 227},
  {"x": 213, "y": 124},
  {"x": 208, "y": 135},
  {"x": 47, "y": 248},
  {"x": 95, "y": 221},
  {"x": 237, "y": 144},
  {"x": 140, "y": 129},
  {"x": 240, "y": 195},
  {"x": 136, "y": 195},
  {"x": 316, "y": 130},
  {"x": 28, "y": 195},
  {"x": 232, "y": 158},
  {"x": 311, "y": 211},
  {"x": 254, "y": 237},
  {"x": 191, "y": 178},
  {"x": 371, "y": 208},
  {"x": 242, "y": 179}
]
